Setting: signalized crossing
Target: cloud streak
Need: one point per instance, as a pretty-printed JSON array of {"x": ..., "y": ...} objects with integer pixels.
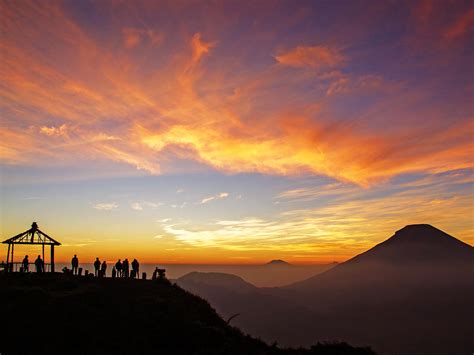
[
  {"x": 215, "y": 197},
  {"x": 315, "y": 57},
  {"x": 106, "y": 206}
]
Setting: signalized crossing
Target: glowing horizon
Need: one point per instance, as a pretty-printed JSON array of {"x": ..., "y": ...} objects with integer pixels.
[{"x": 235, "y": 132}]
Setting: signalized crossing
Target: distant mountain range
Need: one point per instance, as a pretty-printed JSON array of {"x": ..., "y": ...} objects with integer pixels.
[
  {"x": 411, "y": 294},
  {"x": 271, "y": 274}
]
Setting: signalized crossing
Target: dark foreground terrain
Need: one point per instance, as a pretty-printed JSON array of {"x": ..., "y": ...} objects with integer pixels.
[{"x": 59, "y": 314}]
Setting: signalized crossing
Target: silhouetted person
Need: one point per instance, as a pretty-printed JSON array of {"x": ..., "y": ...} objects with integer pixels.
[
  {"x": 34, "y": 228},
  {"x": 119, "y": 267},
  {"x": 97, "y": 266},
  {"x": 135, "y": 267},
  {"x": 74, "y": 264},
  {"x": 39, "y": 265},
  {"x": 26, "y": 264},
  {"x": 114, "y": 272},
  {"x": 155, "y": 274},
  {"x": 103, "y": 268},
  {"x": 125, "y": 268}
]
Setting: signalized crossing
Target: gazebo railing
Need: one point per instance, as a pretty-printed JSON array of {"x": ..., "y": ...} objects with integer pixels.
[{"x": 18, "y": 267}]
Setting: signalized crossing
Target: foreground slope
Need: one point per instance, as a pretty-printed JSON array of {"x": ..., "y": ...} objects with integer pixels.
[
  {"x": 59, "y": 314},
  {"x": 411, "y": 294}
]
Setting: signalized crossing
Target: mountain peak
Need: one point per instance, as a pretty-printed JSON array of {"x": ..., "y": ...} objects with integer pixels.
[
  {"x": 278, "y": 262},
  {"x": 419, "y": 242},
  {"x": 425, "y": 233},
  {"x": 419, "y": 228}
]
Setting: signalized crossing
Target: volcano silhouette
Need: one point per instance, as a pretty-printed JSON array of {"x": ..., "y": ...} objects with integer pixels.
[
  {"x": 418, "y": 243},
  {"x": 416, "y": 252},
  {"x": 411, "y": 294}
]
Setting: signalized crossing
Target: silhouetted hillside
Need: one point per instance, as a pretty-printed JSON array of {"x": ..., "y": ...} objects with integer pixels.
[
  {"x": 411, "y": 294},
  {"x": 57, "y": 314},
  {"x": 212, "y": 279}
]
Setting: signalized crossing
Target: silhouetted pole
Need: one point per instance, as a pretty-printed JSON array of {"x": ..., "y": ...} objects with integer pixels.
[
  {"x": 8, "y": 258},
  {"x": 13, "y": 248},
  {"x": 43, "y": 257},
  {"x": 52, "y": 258}
]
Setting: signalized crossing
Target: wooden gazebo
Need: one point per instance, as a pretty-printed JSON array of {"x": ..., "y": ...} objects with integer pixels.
[{"x": 31, "y": 236}]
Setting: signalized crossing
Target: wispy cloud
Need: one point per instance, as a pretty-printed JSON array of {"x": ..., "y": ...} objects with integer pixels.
[
  {"x": 132, "y": 37},
  {"x": 164, "y": 220},
  {"x": 313, "y": 57},
  {"x": 106, "y": 206},
  {"x": 460, "y": 27},
  {"x": 55, "y": 131},
  {"x": 139, "y": 206},
  {"x": 215, "y": 197},
  {"x": 180, "y": 205},
  {"x": 136, "y": 206}
]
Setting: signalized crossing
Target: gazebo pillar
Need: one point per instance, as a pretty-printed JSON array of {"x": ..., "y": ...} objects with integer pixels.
[
  {"x": 8, "y": 258},
  {"x": 52, "y": 258},
  {"x": 13, "y": 266}
]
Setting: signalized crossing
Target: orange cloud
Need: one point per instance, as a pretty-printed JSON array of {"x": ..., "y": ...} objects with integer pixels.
[
  {"x": 145, "y": 115},
  {"x": 132, "y": 37},
  {"x": 423, "y": 11},
  {"x": 460, "y": 27},
  {"x": 313, "y": 57},
  {"x": 55, "y": 131}
]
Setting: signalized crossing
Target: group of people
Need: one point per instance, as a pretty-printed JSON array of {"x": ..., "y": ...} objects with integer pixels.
[
  {"x": 120, "y": 269},
  {"x": 39, "y": 264},
  {"x": 100, "y": 269}
]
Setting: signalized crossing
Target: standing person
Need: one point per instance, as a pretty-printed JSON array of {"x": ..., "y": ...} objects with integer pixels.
[
  {"x": 135, "y": 267},
  {"x": 103, "y": 268},
  {"x": 125, "y": 268},
  {"x": 39, "y": 265},
  {"x": 114, "y": 272},
  {"x": 26, "y": 264},
  {"x": 74, "y": 264},
  {"x": 118, "y": 266},
  {"x": 97, "y": 266}
]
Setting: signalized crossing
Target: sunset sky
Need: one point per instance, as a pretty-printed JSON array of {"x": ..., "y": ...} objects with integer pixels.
[{"x": 234, "y": 131}]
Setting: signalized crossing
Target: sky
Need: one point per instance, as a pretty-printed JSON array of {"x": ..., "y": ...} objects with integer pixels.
[{"x": 234, "y": 131}]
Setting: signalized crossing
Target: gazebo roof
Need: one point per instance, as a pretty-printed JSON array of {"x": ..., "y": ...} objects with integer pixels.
[{"x": 32, "y": 236}]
